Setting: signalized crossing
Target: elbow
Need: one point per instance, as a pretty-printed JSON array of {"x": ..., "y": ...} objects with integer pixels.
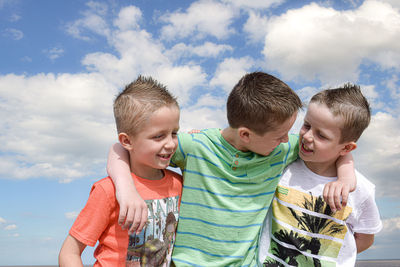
[{"x": 364, "y": 244}]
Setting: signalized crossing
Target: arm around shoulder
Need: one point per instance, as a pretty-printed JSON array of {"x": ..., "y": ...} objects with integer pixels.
[
  {"x": 133, "y": 209},
  {"x": 70, "y": 253}
]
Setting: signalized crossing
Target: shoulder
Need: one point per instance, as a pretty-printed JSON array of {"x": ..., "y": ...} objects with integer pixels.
[
  {"x": 363, "y": 184},
  {"x": 187, "y": 142},
  {"x": 104, "y": 187}
]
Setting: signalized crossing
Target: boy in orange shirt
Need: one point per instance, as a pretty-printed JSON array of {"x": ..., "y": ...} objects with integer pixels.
[{"x": 147, "y": 119}]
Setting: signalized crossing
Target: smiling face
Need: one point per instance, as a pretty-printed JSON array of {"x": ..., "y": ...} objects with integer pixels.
[
  {"x": 266, "y": 143},
  {"x": 320, "y": 140},
  {"x": 152, "y": 147}
]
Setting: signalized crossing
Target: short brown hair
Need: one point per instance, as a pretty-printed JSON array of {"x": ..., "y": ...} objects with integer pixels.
[
  {"x": 134, "y": 105},
  {"x": 261, "y": 102},
  {"x": 349, "y": 103}
]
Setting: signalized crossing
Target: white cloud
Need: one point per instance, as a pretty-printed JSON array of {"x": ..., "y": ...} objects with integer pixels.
[
  {"x": 10, "y": 227},
  {"x": 209, "y": 100},
  {"x": 254, "y": 4},
  {"x": 230, "y": 71},
  {"x": 203, "y": 18},
  {"x": 2, "y": 220},
  {"x": 390, "y": 225},
  {"x": 181, "y": 79},
  {"x": 318, "y": 42},
  {"x": 206, "y": 50},
  {"x": 202, "y": 118},
  {"x": 13, "y": 34},
  {"x": 393, "y": 3},
  {"x": 61, "y": 125},
  {"x": 256, "y": 27},
  {"x": 128, "y": 18},
  {"x": 71, "y": 215},
  {"x": 378, "y": 154},
  {"x": 54, "y": 53},
  {"x": 56, "y": 126},
  {"x": 93, "y": 20}
]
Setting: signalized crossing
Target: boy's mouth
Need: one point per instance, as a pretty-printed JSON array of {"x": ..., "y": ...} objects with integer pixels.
[
  {"x": 165, "y": 156},
  {"x": 305, "y": 148}
]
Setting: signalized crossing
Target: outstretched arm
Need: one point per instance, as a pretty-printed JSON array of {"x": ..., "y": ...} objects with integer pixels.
[
  {"x": 133, "y": 209},
  {"x": 71, "y": 251},
  {"x": 336, "y": 193}
]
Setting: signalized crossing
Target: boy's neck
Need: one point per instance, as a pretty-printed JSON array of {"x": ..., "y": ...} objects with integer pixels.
[
  {"x": 146, "y": 172},
  {"x": 232, "y": 137},
  {"x": 322, "y": 169}
]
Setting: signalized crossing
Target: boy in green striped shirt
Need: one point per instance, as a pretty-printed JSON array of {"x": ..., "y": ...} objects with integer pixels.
[{"x": 230, "y": 175}]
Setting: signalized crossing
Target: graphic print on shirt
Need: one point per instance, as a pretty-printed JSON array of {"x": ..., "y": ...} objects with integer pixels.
[
  {"x": 304, "y": 230},
  {"x": 153, "y": 246}
]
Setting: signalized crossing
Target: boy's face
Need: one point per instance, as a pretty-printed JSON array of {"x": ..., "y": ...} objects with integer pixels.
[
  {"x": 266, "y": 143},
  {"x": 320, "y": 136},
  {"x": 154, "y": 145}
]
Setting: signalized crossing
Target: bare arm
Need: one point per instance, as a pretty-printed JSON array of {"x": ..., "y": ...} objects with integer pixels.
[
  {"x": 346, "y": 183},
  {"x": 70, "y": 253},
  {"x": 133, "y": 209},
  {"x": 363, "y": 241}
]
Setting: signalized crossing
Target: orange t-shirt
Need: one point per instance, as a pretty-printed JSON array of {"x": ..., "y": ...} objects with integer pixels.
[{"x": 98, "y": 220}]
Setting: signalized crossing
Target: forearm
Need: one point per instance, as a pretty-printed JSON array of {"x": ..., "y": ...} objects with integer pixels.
[
  {"x": 363, "y": 241},
  {"x": 345, "y": 171},
  {"x": 133, "y": 209}
]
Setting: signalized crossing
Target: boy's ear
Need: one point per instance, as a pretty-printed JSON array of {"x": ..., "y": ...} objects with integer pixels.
[
  {"x": 125, "y": 141},
  {"x": 244, "y": 134},
  {"x": 348, "y": 148}
]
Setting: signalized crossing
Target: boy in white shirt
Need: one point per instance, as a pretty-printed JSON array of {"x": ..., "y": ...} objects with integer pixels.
[{"x": 301, "y": 229}]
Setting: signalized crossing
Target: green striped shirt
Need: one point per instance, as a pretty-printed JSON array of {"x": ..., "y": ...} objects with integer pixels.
[{"x": 226, "y": 195}]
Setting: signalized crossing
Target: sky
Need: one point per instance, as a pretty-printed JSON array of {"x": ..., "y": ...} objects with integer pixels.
[{"x": 63, "y": 62}]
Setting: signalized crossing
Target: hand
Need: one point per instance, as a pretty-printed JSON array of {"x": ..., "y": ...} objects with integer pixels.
[
  {"x": 132, "y": 211},
  {"x": 334, "y": 191},
  {"x": 194, "y": 131}
]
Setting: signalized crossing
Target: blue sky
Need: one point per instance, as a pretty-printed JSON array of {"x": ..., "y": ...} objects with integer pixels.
[{"x": 62, "y": 63}]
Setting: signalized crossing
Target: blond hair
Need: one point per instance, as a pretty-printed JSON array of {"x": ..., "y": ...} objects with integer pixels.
[{"x": 135, "y": 104}]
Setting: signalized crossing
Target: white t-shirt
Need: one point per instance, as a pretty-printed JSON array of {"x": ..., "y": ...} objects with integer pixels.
[{"x": 305, "y": 231}]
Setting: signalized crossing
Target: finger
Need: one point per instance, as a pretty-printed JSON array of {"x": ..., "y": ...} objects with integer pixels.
[
  {"x": 130, "y": 221},
  {"x": 331, "y": 200},
  {"x": 122, "y": 215},
  {"x": 337, "y": 198},
  {"x": 143, "y": 220},
  {"x": 345, "y": 194},
  {"x": 326, "y": 192}
]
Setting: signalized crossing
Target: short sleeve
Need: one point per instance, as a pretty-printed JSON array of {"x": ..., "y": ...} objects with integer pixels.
[
  {"x": 94, "y": 217},
  {"x": 368, "y": 221}
]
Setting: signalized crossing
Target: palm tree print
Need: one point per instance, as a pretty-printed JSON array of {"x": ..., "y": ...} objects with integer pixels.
[
  {"x": 286, "y": 254},
  {"x": 317, "y": 225}
]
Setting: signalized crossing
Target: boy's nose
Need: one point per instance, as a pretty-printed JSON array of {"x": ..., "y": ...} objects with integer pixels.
[
  {"x": 308, "y": 135},
  {"x": 171, "y": 143}
]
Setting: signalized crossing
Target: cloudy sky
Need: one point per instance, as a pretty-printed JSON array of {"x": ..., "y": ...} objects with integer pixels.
[{"x": 63, "y": 62}]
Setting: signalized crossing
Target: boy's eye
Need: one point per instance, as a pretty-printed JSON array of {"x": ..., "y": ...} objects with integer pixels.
[{"x": 158, "y": 136}]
